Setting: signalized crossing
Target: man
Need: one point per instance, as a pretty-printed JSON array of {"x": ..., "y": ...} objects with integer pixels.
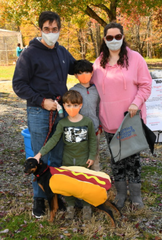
[{"x": 40, "y": 77}]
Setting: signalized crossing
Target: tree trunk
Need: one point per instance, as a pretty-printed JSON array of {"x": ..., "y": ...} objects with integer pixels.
[
  {"x": 111, "y": 12},
  {"x": 98, "y": 39},
  {"x": 82, "y": 43},
  {"x": 92, "y": 38}
]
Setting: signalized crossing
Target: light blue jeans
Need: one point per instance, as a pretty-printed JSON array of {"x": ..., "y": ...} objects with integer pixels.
[{"x": 38, "y": 124}]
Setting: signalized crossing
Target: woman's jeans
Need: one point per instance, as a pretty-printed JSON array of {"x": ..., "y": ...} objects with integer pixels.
[
  {"x": 126, "y": 169},
  {"x": 38, "y": 124}
]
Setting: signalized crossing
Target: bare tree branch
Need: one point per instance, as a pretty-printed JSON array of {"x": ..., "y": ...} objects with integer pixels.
[{"x": 89, "y": 11}]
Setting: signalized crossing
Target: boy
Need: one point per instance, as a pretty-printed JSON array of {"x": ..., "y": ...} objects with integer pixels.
[
  {"x": 83, "y": 71},
  {"x": 79, "y": 142}
]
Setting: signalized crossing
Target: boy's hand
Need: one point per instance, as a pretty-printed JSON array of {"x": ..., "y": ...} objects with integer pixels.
[
  {"x": 89, "y": 162},
  {"x": 37, "y": 156}
]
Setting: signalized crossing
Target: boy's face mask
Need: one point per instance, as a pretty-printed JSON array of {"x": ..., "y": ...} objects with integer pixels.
[
  {"x": 72, "y": 109},
  {"x": 84, "y": 77}
]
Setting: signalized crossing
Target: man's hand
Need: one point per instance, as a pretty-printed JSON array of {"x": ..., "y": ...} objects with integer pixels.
[
  {"x": 89, "y": 162},
  {"x": 50, "y": 104},
  {"x": 132, "y": 110}
]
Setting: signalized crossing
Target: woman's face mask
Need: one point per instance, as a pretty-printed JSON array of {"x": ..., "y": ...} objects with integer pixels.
[
  {"x": 114, "y": 45},
  {"x": 50, "y": 38}
]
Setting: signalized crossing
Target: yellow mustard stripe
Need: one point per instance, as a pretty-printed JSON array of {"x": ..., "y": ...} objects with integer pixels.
[
  {"x": 88, "y": 177},
  {"x": 87, "y": 171},
  {"x": 61, "y": 170}
]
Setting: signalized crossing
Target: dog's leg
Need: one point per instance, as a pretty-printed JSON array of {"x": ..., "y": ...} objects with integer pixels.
[
  {"x": 105, "y": 209},
  {"x": 53, "y": 207},
  {"x": 113, "y": 206}
]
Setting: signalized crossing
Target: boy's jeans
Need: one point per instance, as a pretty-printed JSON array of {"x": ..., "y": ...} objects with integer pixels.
[{"x": 38, "y": 124}]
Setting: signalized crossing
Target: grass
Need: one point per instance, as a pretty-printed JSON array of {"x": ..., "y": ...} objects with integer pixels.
[
  {"x": 153, "y": 60},
  {"x": 6, "y": 72},
  {"x": 20, "y": 225},
  {"x": 71, "y": 81}
]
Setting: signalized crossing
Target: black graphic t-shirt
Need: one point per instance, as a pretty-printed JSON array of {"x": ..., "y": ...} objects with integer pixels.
[{"x": 79, "y": 141}]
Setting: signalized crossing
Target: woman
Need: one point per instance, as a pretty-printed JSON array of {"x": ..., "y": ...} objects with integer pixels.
[{"x": 123, "y": 82}]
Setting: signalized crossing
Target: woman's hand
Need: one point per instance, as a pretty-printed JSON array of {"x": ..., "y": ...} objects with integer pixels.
[
  {"x": 132, "y": 110},
  {"x": 89, "y": 162}
]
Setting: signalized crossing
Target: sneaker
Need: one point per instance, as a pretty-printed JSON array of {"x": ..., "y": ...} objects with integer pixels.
[
  {"x": 70, "y": 212},
  {"x": 38, "y": 208},
  {"x": 87, "y": 212}
]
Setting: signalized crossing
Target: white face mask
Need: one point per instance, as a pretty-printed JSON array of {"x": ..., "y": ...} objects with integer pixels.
[
  {"x": 50, "y": 38},
  {"x": 114, "y": 45}
]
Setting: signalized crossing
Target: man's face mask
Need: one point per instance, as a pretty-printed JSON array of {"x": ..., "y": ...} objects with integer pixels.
[
  {"x": 84, "y": 77},
  {"x": 50, "y": 38}
]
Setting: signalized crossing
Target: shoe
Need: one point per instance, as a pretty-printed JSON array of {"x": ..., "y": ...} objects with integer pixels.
[
  {"x": 70, "y": 212},
  {"x": 121, "y": 188},
  {"x": 135, "y": 195},
  {"x": 38, "y": 208},
  {"x": 87, "y": 212}
]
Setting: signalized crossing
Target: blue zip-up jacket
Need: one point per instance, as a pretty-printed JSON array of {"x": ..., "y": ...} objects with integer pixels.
[{"x": 42, "y": 72}]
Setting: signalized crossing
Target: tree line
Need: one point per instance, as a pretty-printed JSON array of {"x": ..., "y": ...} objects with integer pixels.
[{"x": 83, "y": 22}]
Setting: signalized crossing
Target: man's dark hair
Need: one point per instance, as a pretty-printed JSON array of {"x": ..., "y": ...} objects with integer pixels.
[
  {"x": 81, "y": 66},
  {"x": 105, "y": 54},
  {"x": 18, "y": 44},
  {"x": 49, "y": 16}
]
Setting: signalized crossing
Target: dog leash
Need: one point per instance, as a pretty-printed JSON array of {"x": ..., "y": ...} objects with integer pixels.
[{"x": 51, "y": 123}]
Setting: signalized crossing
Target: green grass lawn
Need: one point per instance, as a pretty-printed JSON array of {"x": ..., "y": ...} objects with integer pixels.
[
  {"x": 152, "y": 60},
  {"x": 6, "y": 73}
]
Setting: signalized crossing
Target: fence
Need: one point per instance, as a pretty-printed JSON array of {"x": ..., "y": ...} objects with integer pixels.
[{"x": 8, "y": 44}]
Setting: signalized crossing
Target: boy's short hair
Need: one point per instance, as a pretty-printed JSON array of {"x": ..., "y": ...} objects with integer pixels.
[
  {"x": 81, "y": 66},
  {"x": 49, "y": 16},
  {"x": 73, "y": 97}
]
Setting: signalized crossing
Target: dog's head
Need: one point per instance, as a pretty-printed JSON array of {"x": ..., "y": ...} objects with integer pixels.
[{"x": 30, "y": 166}]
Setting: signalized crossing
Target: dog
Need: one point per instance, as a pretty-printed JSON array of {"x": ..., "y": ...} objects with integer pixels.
[{"x": 43, "y": 175}]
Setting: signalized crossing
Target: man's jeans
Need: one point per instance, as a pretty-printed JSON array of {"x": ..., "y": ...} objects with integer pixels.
[{"x": 38, "y": 124}]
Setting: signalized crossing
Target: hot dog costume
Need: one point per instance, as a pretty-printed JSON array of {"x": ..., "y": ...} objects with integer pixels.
[{"x": 80, "y": 182}]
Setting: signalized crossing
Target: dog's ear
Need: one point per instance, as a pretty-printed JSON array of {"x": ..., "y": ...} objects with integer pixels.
[
  {"x": 41, "y": 162},
  {"x": 32, "y": 161}
]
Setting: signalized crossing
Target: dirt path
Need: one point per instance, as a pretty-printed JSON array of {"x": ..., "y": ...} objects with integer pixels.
[{"x": 14, "y": 186}]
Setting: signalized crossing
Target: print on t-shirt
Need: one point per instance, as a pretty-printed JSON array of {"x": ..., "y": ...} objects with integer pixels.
[{"x": 76, "y": 134}]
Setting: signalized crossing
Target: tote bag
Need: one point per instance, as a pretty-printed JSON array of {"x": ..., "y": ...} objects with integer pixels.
[{"x": 129, "y": 138}]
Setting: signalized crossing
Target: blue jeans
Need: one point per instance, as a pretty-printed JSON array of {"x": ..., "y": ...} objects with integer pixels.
[{"x": 38, "y": 124}]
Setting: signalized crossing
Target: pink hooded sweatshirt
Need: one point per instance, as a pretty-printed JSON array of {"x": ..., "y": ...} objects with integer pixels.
[{"x": 119, "y": 87}]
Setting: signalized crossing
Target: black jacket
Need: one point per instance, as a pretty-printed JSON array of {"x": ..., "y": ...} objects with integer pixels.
[{"x": 42, "y": 72}]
